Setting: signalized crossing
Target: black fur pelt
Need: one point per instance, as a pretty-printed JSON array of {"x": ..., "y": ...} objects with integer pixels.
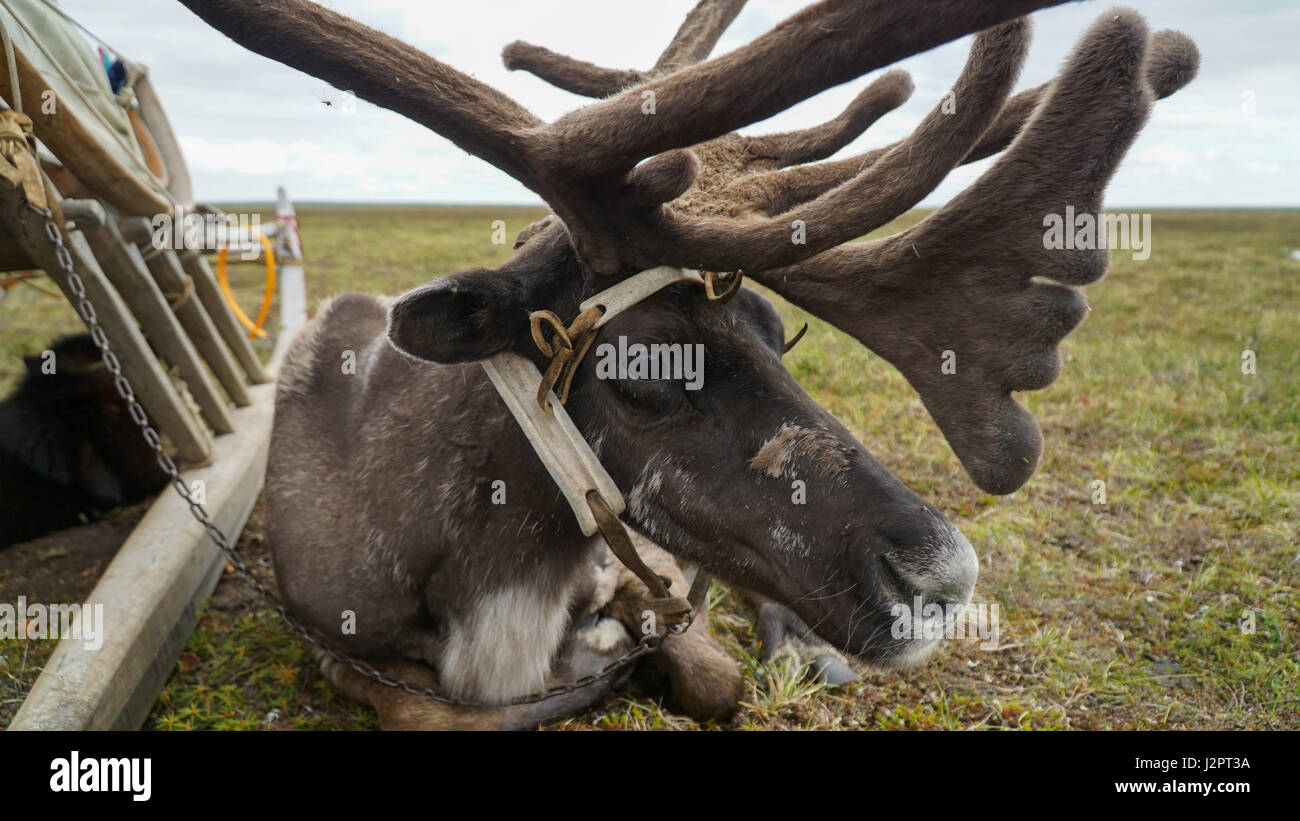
[{"x": 68, "y": 448}]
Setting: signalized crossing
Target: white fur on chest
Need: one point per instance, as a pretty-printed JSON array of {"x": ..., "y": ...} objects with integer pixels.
[{"x": 503, "y": 649}]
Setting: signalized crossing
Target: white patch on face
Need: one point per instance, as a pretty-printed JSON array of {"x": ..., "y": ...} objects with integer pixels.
[
  {"x": 643, "y": 497},
  {"x": 644, "y": 490},
  {"x": 788, "y": 541},
  {"x": 503, "y": 649},
  {"x": 793, "y": 448}
]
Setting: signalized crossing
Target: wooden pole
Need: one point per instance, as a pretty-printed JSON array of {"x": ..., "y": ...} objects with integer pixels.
[
  {"x": 205, "y": 285},
  {"x": 125, "y": 268},
  {"x": 177, "y": 286},
  {"x": 152, "y": 588},
  {"x": 293, "y": 283}
]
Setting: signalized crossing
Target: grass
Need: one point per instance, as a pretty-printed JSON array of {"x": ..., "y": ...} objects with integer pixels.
[{"x": 1126, "y": 614}]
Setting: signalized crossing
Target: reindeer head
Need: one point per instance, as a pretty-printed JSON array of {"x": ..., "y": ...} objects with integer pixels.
[{"x": 653, "y": 174}]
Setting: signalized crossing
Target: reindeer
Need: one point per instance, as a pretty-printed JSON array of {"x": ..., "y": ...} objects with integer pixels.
[
  {"x": 379, "y": 482},
  {"x": 68, "y": 449}
]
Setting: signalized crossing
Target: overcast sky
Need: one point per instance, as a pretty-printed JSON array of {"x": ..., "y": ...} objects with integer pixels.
[{"x": 247, "y": 124}]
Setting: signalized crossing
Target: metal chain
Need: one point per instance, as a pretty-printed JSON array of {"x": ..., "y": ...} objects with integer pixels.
[{"x": 647, "y": 644}]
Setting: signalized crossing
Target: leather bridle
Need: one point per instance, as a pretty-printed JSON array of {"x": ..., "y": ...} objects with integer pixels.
[{"x": 533, "y": 400}]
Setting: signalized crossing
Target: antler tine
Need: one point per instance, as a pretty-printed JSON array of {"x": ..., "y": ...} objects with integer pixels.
[
  {"x": 723, "y": 159},
  {"x": 905, "y": 174},
  {"x": 562, "y": 71},
  {"x": 732, "y": 155},
  {"x": 695, "y": 39},
  {"x": 698, "y": 34},
  {"x": 884, "y": 95},
  {"x": 1172, "y": 62},
  {"x": 965, "y": 282}
]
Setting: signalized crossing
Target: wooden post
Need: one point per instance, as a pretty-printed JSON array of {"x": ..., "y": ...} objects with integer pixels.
[
  {"x": 179, "y": 288},
  {"x": 205, "y": 285},
  {"x": 293, "y": 284},
  {"x": 139, "y": 365},
  {"x": 122, "y": 263}
]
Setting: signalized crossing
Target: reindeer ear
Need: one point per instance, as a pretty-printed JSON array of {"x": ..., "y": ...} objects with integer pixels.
[{"x": 466, "y": 317}]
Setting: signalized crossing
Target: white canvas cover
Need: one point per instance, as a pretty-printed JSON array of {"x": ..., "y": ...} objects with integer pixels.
[{"x": 69, "y": 64}]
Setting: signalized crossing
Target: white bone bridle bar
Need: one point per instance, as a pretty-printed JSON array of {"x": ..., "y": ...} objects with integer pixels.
[{"x": 568, "y": 458}]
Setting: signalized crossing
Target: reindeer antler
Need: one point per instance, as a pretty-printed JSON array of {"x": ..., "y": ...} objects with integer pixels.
[
  {"x": 695, "y": 39},
  {"x": 1171, "y": 64},
  {"x": 611, "y": 207},
  {"x": 962, "y": 280}
]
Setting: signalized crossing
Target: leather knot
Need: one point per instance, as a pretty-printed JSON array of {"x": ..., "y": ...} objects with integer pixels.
[{"x": 566, "y": 347}]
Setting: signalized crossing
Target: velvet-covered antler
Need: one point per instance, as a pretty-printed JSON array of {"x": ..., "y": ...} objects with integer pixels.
[
  {"x": 694, "y": 40},
  {"x": 1171, "y": 63},
  {"x": 962, "y": 282},
  {"x": 588, "y": 165},
  {"x": 971, "y": 277},
  {"x": 654, "y": 174}
]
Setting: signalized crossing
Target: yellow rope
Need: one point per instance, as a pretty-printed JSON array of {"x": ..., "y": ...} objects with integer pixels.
[{"x": 254, "y": 328}]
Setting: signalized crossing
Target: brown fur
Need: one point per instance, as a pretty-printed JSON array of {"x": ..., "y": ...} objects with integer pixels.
[
  {"x": 968, "y": 278},
  {"x": 1172, "y": 61}
]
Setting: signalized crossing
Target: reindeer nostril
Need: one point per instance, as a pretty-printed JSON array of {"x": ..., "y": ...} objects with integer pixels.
[
  {"x": 940, "y": 568},
  {"x": 895, "y": 579}
]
